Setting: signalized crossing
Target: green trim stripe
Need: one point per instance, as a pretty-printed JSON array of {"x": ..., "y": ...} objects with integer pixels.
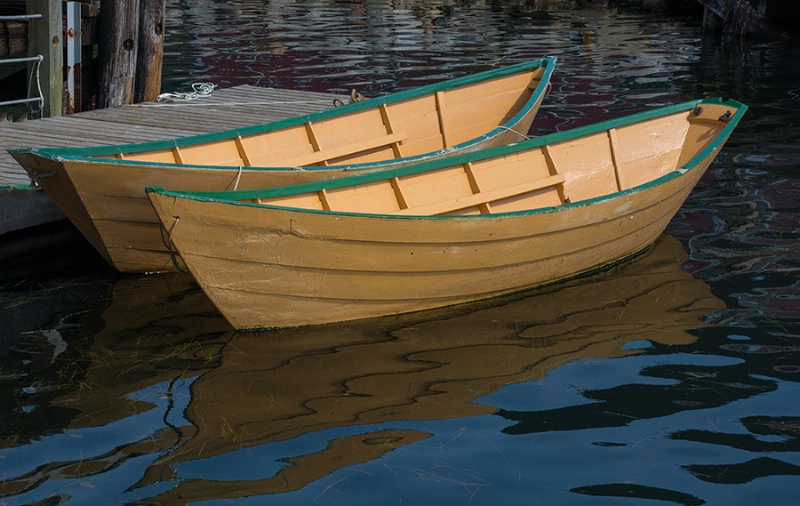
[
  {"x": 481, "y": 155},
  {"x": 165, "y": 144},
  {"x": 230, "y": 197}
]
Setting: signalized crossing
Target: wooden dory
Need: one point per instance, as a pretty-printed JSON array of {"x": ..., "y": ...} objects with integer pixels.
[
  {"x": 446, "y": 232},
  {"x": 101, "y": 189}
]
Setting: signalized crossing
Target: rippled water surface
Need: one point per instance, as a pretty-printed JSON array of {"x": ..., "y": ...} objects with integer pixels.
[{"x": 672, "y": 380}]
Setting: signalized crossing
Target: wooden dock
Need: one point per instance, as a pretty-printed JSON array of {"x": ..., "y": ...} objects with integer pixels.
[{"x": 223, "y": 109}]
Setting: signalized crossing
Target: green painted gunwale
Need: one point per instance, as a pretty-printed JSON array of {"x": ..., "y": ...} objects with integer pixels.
[
  {"x": 20, "y": 187},
  {"x": 89, "y": 153},
  {"x": 233, "y": 197}
]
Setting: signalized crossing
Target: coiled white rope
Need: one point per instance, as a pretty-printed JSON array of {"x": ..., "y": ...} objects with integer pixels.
[{"x": 198, "y": 90}]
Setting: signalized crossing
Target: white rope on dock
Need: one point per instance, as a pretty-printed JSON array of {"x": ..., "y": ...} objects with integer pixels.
[{"x": 198, "y": 90}]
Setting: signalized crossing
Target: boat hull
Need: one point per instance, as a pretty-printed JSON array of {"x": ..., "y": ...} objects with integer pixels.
[
  {"x": 279, "y": 268},
  {"x": 468, "y": 228},
  {"x": 104, "y": 196}
]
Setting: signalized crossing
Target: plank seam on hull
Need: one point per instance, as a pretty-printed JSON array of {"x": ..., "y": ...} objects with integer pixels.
[
  {"x": 466, "y": 296},
  {"x": 653, "y": 220}
]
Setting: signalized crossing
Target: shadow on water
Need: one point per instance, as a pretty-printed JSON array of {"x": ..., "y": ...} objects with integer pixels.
[
  {"x": 158, "y": 355},
  {"x": 49, "y": 274}
]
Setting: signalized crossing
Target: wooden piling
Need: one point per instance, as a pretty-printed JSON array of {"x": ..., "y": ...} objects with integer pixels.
[
  {"x": 740, "y": 18},
  {"x": 117, "y": 38},
  {"x": 131, "y": 43},
  {"x": 150, "y": 50}
]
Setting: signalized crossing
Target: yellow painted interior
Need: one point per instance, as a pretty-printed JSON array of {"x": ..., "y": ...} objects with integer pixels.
[
  {"x": 406, "y": 128},
  {"x": 551, "y": 175}
]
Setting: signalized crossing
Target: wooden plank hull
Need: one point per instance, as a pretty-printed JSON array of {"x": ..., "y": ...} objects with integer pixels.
[
  {"x": 347, "y": 249},
  {"x": 101, "y": 189}
]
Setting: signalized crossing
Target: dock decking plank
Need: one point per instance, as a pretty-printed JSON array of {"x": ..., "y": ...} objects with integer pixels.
[
  {"x": 223, "y": 109},
  {"x": 60, "y": 133}
]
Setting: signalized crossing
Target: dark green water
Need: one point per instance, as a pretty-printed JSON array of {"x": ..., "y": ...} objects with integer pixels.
[{"x": 672, "y": 380}]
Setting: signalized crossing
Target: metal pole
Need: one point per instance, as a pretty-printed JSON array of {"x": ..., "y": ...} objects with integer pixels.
[
  {"x": 21, "y": 17},
  {"x": 21, "y": 101},
  {"x": 21, "y": 60}
]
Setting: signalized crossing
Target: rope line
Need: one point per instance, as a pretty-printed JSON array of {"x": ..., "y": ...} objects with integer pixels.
[
  {"x": 173, "y": 252},
  {"x": 514, "y": 131},
  {"x": 36, "y": 176},
  {"x": 239, "y": 175},
  {"x": 198, "y": 90},
  {"x": 355, "y": 96}
]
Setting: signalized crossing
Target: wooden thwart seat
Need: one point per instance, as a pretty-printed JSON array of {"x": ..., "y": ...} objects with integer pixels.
[
  {"x": 478, "y": 199},
  {"x": 338, "y": 152}
]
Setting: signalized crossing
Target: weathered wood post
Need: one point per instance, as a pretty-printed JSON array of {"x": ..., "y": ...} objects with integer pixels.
[
  {"x": 712, "y": 17},
  {"x": 117, "y": 38},
  {"x": 150, "y": 50},
  {"x": 131, "y": 39},
  {"x": 45, "y": 38},
  {"x": 741, "y": 18}
]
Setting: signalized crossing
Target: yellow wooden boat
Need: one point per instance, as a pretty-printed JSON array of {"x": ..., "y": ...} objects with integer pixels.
[
  {"x": 446, "y": 232},
  {"x": 101, "y": 189}
]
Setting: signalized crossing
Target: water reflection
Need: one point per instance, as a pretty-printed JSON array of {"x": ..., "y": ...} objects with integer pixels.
[
  {"x": 210, "y": 403},
  {"x": 155, "y": 397},
  {"x": 766, "y": 435},
  {"x": 377, "y": 48}
]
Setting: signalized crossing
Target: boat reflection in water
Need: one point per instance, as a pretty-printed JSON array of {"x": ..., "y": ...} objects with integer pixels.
[{"x": 160, "y": 339}]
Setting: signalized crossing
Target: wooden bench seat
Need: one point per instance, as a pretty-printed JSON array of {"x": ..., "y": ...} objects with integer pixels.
[
  {"x": 340, "y": 151},
  {"x": 482, "y": 197}
]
